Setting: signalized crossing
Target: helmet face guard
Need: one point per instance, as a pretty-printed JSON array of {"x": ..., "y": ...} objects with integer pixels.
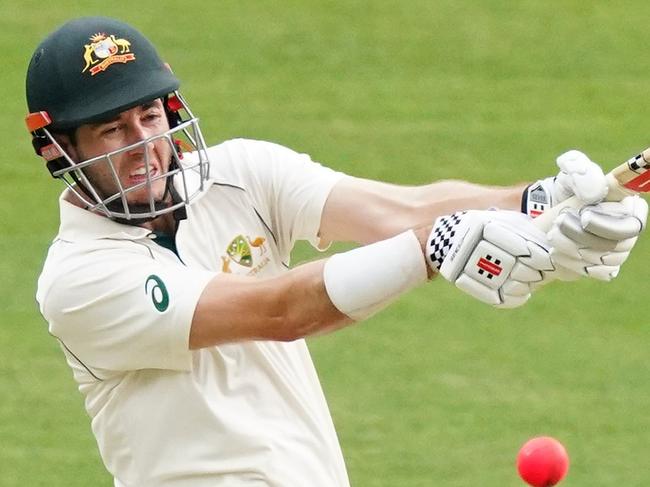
[{"x": 185, "y": 177}]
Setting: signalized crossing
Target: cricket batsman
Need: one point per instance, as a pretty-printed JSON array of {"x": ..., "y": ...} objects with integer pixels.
[{"x": 169, "y": 286}]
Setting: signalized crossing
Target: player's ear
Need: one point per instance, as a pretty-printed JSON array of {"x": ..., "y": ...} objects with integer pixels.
[{"x": 68, "y": 142}]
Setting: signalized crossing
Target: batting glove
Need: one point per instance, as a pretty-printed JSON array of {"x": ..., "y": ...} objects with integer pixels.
[
  {"x": 578, "y": 176},
  {"x": 596, "y": 240},
  {"x": 495, "y": 256}
]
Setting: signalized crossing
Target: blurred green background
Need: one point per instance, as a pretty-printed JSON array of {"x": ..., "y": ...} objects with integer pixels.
[{"x": 437, "y": 390}]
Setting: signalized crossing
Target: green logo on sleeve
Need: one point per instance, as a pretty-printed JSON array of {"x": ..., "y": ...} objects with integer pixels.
[{"x": 157, "y": 291}]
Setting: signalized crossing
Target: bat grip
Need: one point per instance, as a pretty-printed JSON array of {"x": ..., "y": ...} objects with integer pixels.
[{"x": 545, "y": 221}]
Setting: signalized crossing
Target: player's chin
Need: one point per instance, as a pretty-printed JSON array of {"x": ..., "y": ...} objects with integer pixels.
[
  {"x": 145, "y": 200},
  {"x": 146, "y": 206},
  {"x": 141, "y": 193}
]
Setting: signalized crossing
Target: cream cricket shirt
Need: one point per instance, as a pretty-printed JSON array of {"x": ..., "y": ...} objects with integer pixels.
[{"x": 121, "y": 305}]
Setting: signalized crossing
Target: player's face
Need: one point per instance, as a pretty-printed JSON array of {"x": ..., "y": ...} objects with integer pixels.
[{"x": 129, "y": 127}]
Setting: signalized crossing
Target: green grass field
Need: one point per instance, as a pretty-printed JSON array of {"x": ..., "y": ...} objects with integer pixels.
[{"x": 437, "y": 390}]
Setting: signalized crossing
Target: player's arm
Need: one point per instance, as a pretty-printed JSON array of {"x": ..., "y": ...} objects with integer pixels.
[
  {"x": 313, "y": 298},
  {"x": 364, "y": 211},
  {"x": 493, "y": 255},
  {"x": 496, "y": 256},
  {"x": 236, "y": 308}
]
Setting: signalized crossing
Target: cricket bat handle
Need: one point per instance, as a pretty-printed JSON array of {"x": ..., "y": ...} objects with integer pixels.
[{"x": 631, "y": 177}]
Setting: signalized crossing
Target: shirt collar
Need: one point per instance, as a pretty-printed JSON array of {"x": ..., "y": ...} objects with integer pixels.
[{"x": 80, "y": 224}]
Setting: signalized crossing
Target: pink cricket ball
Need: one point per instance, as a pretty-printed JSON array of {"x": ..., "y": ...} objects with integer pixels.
[{"x": 542, "y": 461}]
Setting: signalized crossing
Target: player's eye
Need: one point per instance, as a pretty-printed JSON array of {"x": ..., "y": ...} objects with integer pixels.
[
  {"x": 151, "y": 115},
  {"x": 110, "y": 130}
]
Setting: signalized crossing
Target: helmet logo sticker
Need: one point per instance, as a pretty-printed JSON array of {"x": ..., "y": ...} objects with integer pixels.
[{"x": 105, "y": 50}]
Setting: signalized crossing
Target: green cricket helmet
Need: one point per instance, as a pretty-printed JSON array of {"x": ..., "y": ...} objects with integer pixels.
[{"x": 90, "y": 70}]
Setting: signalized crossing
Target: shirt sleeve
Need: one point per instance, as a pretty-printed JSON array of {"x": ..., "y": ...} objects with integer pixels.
[
  {"x": 289, "y": 187},
  {"x": 122, "y": 310}
]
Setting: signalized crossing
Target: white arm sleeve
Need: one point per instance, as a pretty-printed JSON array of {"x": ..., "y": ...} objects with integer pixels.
[
  {"x": 364, "y": 280},
  {"x": 124, "y": 311}
]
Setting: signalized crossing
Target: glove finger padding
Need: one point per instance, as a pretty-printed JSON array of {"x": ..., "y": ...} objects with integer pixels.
[
  {"x": 597, "y": 240},
  {"x": 578, "y": 176},
  {"x": 616, "y": 220},
  {"x": 492, "y": 255},
  {"x": 578, "y": 267},
  {"x": 568, "y": 226}
]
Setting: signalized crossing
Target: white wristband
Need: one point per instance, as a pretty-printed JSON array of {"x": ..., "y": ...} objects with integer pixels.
[{"x": 362, "y": 281}]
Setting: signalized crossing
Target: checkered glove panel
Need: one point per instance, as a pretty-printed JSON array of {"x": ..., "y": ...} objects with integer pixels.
[{"x": 441, "y": 238}]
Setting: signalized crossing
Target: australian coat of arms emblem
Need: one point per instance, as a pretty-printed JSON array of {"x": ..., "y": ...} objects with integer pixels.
[{"x": 105, "y": 50}]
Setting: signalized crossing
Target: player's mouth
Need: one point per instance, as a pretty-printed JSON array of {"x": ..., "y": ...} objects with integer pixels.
[{"x": 140, "y": 175}]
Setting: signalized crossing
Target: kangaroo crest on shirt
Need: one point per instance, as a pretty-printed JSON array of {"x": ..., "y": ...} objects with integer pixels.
[{"x": 243, "y": 251}]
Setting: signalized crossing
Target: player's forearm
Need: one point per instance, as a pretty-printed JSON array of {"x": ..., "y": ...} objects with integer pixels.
[
  {"x": 445, "y": 197},
  {"x": 284, "y": 308},
  {"x": 366, "y": 211},
  {"x": 306, "y": 307}
]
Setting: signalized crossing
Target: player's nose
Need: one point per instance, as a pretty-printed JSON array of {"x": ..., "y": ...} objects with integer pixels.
[{"x": 137, "y": 132}]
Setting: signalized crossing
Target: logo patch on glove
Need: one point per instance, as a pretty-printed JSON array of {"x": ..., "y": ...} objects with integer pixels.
[
  {"x": 487, "y": 266},
  {"x": 536, "y": 200}
]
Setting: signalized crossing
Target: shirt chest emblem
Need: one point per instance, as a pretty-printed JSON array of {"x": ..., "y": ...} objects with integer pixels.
[{"x": 244, "y": 252}]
